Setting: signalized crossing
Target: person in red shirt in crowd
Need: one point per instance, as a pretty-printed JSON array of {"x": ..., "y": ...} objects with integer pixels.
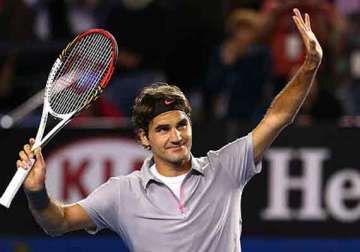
[
  {"x": 101, "y": 108},
  {"x": 287, "y": 49}
]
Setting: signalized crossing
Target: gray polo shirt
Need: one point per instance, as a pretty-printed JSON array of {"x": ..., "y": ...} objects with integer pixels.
[{"x": 206, "y": 217}]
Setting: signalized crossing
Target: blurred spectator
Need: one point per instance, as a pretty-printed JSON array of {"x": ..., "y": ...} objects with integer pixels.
[
  {"x": 54, "y": 22},
  {"x": 230, "y": 5},
  {"x": 101, "y": 108},
  {"x": 239, "y": 69},
  {"x": 350, "y": 67},
  {"x": 348, "y": 7},
  {"x": 140, "y": 29},
  {"x": 287, "y": 49},
  {"x": 61, "y": 20},
  {"x": 15, "y": 21},
  {"x": 321, "y": 106},
  {"x": 194, "y": 28},
  {"x": 16, "y": 30},
  {"x": 6, "y": 77}
]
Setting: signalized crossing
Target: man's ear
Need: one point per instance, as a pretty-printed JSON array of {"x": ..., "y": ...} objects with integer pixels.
[{"x": 143, "y": 139}]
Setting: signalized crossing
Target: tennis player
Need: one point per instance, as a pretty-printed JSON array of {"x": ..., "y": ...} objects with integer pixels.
[{"x": 176, "y": 202}]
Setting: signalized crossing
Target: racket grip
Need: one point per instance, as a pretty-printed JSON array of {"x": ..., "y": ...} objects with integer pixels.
[{"x": 15, "y": 184}]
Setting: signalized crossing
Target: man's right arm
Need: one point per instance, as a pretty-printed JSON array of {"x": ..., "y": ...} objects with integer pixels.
[
  {"x": 57, "y": 219},
  {"x": 52, "y": 216}
]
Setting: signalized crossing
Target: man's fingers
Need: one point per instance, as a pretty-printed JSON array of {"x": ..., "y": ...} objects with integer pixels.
[
  {"x": 304, "y": 24},
  {"x": 297, "y": 23},
  {"x": 28, "y": 151},
  {"x": 23, "y": 164},
  {"x": 304, "y": 29},
  {"x": 307, "y": 21},
  {"x": 39, "y": 156},
  {"x": 23, "y": 156},
  {"x": 31, "y": 141},
  {"x": 300, "y": 27},
  {"x": 299, "y": 19},
  {"x": 298, "y": 14}
]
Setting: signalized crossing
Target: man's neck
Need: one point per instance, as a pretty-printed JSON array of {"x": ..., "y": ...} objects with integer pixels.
[{"x": 172, "y": 169}]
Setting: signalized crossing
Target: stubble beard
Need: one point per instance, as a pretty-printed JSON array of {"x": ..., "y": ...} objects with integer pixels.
[{"x": 178, "y": 160}]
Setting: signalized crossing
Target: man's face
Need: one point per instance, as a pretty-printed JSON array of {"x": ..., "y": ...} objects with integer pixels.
[
  {"x": 245, "y": 35},
  {"x": 170, "y": 137}
]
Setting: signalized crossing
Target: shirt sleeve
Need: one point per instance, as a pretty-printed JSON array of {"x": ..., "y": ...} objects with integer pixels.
[
  {"x": 102, "y": 206},
  {"x": 237, "y": 158}
]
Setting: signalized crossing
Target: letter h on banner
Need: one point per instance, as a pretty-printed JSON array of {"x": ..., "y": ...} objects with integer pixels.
[{"x": 281, "y": 183}]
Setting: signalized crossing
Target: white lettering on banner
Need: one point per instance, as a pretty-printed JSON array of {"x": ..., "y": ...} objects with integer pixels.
[
  {"x": 337, "y": 192},
  {"x": 310, "y": 185},
  {"x": 281, "y": 183},
  {"x": 76, "y": 169}
]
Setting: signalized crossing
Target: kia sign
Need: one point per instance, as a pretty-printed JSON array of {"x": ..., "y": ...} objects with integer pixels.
[{"x": 76, "y": 169}]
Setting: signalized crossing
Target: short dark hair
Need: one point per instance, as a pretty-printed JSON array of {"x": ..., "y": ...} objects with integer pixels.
[
  {"x": 243, "y": 17},
  {"x": 146, "y": 102}
]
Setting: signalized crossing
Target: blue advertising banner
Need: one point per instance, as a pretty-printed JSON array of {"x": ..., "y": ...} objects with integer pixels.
[{"x": 83, "y": 244}]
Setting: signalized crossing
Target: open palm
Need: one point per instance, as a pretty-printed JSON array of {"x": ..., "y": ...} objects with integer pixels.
[{"x": 314, "y": 52}]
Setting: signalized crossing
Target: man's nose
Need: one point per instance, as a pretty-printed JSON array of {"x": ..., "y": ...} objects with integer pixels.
[{"x": 175, "y": 136}]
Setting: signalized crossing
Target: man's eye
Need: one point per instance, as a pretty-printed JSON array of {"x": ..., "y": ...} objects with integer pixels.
[
  {"x": 162, "y": 130},
  {"x": 182, "y": 126}
]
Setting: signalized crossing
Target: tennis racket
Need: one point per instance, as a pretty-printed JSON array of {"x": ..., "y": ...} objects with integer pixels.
[{"x": 78, "y": 77}]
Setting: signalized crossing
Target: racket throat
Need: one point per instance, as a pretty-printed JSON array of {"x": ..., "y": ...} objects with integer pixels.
[{"x": 41, "y": 141}]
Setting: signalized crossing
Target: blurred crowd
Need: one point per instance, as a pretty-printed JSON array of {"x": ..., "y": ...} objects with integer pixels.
[{"x": 231, "y": 57}]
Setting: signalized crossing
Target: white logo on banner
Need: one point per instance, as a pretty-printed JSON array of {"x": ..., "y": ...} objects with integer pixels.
[{"x": 76, "y": 169}]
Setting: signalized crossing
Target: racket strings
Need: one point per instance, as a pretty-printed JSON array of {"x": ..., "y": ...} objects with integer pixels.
[
  {"x": 60, "y": 90},
  {"x": 78, "y": 78},
  {"x": 69, "y": 102},
  {"x": 85, "y": 70},
  {"x": 94, "y": 73},
  {"x": 97, "y": 70},
  {"x": 66, "y": 101}
]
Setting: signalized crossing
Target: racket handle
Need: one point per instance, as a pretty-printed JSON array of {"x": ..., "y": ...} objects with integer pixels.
[{"x": 14, "y": 185}]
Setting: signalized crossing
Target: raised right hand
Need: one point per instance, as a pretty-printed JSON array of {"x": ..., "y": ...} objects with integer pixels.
[{"x": 35, "y": 180}]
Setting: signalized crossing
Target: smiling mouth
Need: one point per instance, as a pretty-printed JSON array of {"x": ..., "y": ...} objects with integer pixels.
[{"x": 178, "y": 147}]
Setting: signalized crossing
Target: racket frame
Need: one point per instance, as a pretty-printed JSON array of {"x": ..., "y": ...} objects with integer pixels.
[{"x": 22, "y": 173}]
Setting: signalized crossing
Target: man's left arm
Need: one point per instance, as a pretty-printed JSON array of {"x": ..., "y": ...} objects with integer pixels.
[{"x": 287, "y": 103}]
